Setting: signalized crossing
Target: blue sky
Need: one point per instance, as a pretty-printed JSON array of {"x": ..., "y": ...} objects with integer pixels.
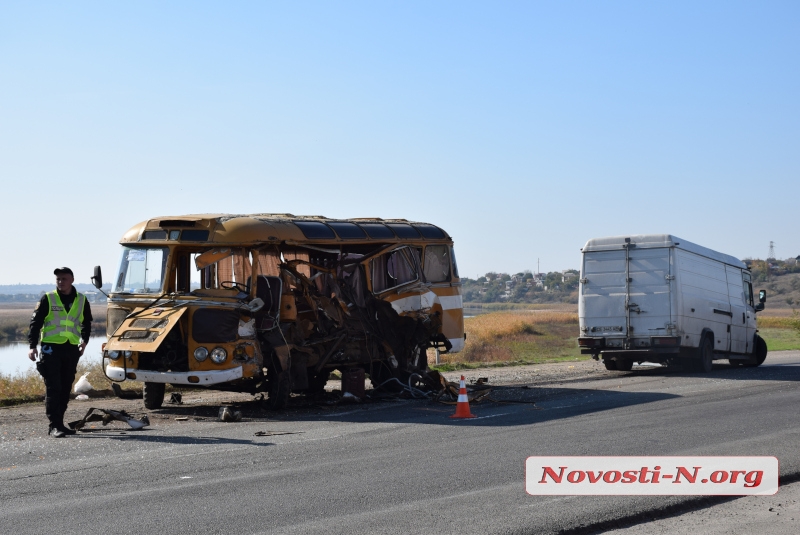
[{"x": 522, "y": 128}]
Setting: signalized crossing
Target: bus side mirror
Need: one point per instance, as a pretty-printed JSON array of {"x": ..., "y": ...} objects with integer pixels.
[
  {"x": 97, "y": 279},
  {"x": 762, "y": 296}
]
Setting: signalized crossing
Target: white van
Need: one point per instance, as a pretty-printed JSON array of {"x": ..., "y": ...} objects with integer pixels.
[{"x": 659, "y": 298}]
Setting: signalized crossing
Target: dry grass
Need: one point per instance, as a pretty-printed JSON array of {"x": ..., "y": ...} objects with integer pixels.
[
  {"x": 518, "y": 337},
  {"x": 776, "y": 322},
  {"x": 21, "y": 387},
  {"x": 29, "y": 386},
  {"x": 505, "y": 307}
]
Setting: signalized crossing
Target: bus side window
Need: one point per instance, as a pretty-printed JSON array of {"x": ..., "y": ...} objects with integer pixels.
[
  {"x": 437, "y": 263},
  {"x": 183, "y": 275},
  {"x": 391, "y": 270}
]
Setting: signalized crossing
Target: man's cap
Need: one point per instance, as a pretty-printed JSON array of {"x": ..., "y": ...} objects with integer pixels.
[{"x": 59, "y": 271}]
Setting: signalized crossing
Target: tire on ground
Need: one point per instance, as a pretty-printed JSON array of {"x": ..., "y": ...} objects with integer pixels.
[
  {"x": 279, "y": 387},
  {"x": 153, "y": 395},
  {"x": 624, "y": 365},
  {"x": 759, "y": 353},
  {"x": 705, "y": 362}
]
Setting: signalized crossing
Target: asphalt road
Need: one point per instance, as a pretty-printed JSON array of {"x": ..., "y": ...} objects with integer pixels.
[{"x": 398, "y": 467}]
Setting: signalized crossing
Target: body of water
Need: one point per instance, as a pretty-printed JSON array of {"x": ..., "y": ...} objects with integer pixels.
[{"x": 14, "y": 355}]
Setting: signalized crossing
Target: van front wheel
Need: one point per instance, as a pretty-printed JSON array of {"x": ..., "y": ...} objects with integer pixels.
[{"x": 759, "y": 354}]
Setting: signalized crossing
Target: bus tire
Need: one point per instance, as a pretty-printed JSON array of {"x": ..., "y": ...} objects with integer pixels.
[
  {"x": 317, "y": 381},
  {"x": 153, "y": 395},
  {"x": 610, "y": 364},
  {"x": 279, "y": 386}
]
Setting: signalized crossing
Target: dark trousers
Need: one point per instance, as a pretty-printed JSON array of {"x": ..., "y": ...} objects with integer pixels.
[{"x": 57, "y": 366}]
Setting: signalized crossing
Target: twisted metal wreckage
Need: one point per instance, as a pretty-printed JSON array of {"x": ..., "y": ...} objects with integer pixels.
[{"x": 359, "y": 294}]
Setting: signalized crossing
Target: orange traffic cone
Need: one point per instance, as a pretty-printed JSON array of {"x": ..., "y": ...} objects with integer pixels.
[{"x": 462, "y": 407}]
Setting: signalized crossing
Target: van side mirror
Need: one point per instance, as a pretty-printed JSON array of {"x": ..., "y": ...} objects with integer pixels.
[
  {"x": 762, "y": 296},
  {"x": 97, "y": 279}
]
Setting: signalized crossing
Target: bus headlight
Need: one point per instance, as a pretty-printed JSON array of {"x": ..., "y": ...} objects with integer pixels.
[
  {"x": 219, "y": 355},
  {"x": 200, "y": 354},
  {"x": 113, "y": 354},
  {"x": 127, "y": 354}
]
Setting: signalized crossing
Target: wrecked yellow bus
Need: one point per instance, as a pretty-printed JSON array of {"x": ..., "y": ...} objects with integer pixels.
[{"x": 273, "y": 303}]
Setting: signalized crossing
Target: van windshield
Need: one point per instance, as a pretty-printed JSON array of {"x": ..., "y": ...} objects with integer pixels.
[{"x": 141, "y": 270}]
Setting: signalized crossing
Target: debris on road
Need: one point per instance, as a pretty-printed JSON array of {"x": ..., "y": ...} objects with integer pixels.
[
  {"x": 108, "y": 416},
  {"x": 347, "y": 396},
  {"x": 228, "y": 415},
  {"x": 273, "y": 433}
]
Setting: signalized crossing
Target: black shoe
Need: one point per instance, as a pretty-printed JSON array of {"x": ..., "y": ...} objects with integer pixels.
[
  {"x": 66, "y": 430},
  {"x": 55, "y": 432}
]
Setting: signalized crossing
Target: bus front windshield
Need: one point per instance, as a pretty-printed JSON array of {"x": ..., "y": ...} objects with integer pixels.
[{"x": 141, "y": 270}]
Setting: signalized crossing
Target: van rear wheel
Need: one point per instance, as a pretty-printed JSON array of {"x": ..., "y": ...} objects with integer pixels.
[
  {"x": 153, "y": 395},
  {"x": 706, "y": 361},
  {"x": 610, "y": 364},
  {"x": 625, "y": 365}
]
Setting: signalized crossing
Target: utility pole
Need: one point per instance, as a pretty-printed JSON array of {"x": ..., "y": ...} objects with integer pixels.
[{"x": 770, "y": 256}]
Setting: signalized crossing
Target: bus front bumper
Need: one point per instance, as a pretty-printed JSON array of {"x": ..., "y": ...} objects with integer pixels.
[{"x": 198, "y": 378}]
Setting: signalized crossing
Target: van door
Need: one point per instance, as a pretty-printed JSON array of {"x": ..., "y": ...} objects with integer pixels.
[
  {"x": 738, "y": 310},
  {"x": 750, "y": 312},
  {"x": 601, "y": 307},
  {"x": 649, "y": 302},
  {"x": 622, "y": 291}
]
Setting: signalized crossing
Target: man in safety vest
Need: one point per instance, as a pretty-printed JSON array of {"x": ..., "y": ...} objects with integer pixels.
[{"x": 62, "y": 323}]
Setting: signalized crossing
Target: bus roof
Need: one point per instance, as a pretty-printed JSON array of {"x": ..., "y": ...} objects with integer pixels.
[{"x": 253, "y": 229}]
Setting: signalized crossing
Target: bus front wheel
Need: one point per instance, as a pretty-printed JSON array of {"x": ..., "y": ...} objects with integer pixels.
[{"x": 153, "y": 395}]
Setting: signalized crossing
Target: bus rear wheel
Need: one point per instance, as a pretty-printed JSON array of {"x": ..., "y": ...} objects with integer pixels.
[{"x": 279, "y": 386}]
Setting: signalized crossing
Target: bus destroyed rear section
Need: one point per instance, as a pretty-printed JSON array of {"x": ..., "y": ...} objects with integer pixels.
[{"x": 278, "y": 318}]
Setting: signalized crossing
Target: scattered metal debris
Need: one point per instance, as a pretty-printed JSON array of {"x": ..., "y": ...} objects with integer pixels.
[
  {"x": 273, "y": 433},
  {"x": 108, "y": 416},
  {"x": 176, "y": 398},
  {"x": 347, "y": 396},
  {"x": 228, "y": 415}
]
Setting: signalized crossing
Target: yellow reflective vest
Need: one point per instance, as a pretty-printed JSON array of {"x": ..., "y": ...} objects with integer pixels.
[{"x": 62, "y": 326}]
